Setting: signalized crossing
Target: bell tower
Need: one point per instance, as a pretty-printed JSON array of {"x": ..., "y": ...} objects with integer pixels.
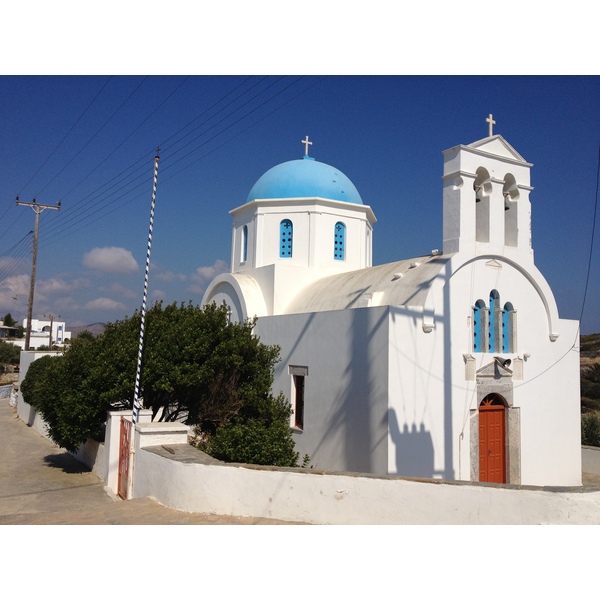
[{"x": 486, "y": 199}]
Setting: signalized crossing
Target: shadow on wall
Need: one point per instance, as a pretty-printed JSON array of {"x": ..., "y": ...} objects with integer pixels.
[{"x": 414, "y": 448}]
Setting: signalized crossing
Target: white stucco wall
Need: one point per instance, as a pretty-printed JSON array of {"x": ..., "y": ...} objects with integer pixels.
[
  {"x": 547, "y": 397},
  {"x": 302, "y": 495},
  {"x": 590, "y": 459},
  {"x": 313, "y": 222},
  {"x": 420, "y": 409},
  {"x": 25, "y": 411},
  {"x": 345, "y": 410}
]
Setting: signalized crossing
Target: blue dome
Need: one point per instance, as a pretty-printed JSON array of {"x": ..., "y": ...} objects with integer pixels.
[{"x": 305, "y": 178}]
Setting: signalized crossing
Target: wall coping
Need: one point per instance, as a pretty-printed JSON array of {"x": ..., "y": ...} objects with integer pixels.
[{"x": 185, "y": 453}]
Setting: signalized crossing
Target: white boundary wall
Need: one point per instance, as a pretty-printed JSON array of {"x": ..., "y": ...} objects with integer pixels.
[
  {"x": 590, "y": 460},
  {"x": 165, "y": 469}
]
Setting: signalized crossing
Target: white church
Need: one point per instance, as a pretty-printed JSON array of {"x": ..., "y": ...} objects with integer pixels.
[{"x": 453, "y": 365}]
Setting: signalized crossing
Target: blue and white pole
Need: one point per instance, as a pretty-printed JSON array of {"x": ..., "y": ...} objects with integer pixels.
[{"x": 137, "y": 405}]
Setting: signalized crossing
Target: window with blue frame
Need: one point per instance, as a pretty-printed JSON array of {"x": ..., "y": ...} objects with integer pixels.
[
  {"x": 478, "y": 329},
  {"x": 493, "y": 323},
  {"x": 339, "y": 241},
  {"x": 508, "y": 316},
  {"x": 286, "y": 236},
  {"x": 493, "y": 326},
  {"x": 245, "y": 243}
]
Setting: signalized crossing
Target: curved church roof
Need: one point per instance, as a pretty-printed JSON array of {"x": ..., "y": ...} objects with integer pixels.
[
  {"x": 305, "y": 178},
  {"x": 401, "y": 283}
]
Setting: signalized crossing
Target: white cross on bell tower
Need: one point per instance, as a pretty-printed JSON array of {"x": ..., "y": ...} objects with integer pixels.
[{"x": 491, "y": 122}]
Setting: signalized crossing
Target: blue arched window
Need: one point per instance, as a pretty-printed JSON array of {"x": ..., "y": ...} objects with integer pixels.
[
  {"x": 339, "y": 241},
  {"x": 493, "y": 320},
  {"x": 494, "y": 327},
  {"x": 479, "y": 343},
  {"x": 508, "y": 315},
  {"x": 245, "y": 243},
  {"x": 286, "y": 235}
]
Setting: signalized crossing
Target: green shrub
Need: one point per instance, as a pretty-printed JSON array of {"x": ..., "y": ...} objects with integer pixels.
[
  {"x": 58, "y": 388},
  {"x": 259, "y": 435},
  {"x": 254, "y": 442},
  {"x": 197, "y": 368},
  {"x": 9, "y": 353},
  {"x": 590, "y": 429}
]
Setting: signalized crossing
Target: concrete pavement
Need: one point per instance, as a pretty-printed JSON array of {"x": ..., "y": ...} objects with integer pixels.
[{"x": 41, "y": 484}]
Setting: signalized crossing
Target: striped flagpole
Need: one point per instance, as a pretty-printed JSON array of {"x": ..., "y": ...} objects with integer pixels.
[{"x": 137, "y": 405}]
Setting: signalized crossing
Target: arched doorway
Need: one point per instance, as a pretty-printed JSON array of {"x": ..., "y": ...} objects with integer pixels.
[{"x": 492, "y": 439}]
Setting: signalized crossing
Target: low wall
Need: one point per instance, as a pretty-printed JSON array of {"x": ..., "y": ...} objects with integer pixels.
[
  {"x": 91, "y": 453},
  {"x": 590, "y": 460},
  {"x": 93, "y": 456},
  {"x": 181, "y": 477},
  {"x": 25, "y": 411}
]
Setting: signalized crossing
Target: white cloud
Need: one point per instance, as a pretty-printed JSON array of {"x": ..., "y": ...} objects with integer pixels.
[
  {"x": 104, "y": 304},
  {"x": 205, "y": 274},
  {"x": 121, "y": 290},
  {"x": 169, "y": 276},
  {"x": 14, "y": 295},
  {"x": 110, "y": 260},
  {"x": 55, "y": 285}
]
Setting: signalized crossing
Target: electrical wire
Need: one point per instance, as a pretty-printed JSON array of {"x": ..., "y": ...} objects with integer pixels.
[
  {"x": 14, "y": 256},
  {"x": 143, "y": 175},
  {"x": 589, "y": 267},
  {"x": 122, "y": 177},
  {"x": 124, "y": 140},
  {"x": 66, "y": 135},
  {"x": 95, "y": 134}
]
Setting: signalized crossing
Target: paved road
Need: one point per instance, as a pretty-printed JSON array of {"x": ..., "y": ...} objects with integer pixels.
[{"x": 41, "y": 484}]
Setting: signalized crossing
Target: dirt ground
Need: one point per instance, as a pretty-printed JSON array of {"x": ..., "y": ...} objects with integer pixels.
[
  {"x": 586, "y": 360},
  {"x": 8, "y": 378}
]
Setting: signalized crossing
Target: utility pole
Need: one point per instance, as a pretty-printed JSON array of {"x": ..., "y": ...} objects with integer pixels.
[
  {"x": 37, "y": 209},
  {"x": 51, "y": 317}
]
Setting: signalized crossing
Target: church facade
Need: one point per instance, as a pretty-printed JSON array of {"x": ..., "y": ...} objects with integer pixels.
[{"x": 453, "y": 365}]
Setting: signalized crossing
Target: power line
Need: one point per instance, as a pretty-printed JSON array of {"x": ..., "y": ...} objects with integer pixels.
[
  {"x": 14, "y": 256},
  {"x": 71, "y": 218},
  {"x": 95, "y": 134},
  {"x": 125, "y": 139},
  {"x": 82, "y": 213},
  {"x": 587, "y": 278},
  {"x": 66, "y": 135}
]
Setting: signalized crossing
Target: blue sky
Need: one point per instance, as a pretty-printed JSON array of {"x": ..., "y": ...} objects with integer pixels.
[
  {"x": 381, "y": 93},
  {"x": 89, "y": 142}
]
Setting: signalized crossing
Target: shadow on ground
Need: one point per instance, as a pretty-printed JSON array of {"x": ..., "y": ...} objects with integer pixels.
[{"x": 65, "y": 462}]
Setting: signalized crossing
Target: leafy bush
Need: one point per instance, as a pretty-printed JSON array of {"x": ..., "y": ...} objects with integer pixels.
[
  {"x": 58, "y": 388},
  {"x": 254, "y": 442},
  {"x": 590, "y": 429},
  {"x": 196, "y": 367},
  {"x": 9, "y": 353},
  {"x": 260, "y": 435}
]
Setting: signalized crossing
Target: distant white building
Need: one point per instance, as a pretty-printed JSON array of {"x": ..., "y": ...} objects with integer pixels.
[
  {"x": 453, "y": 365},
  {"x": 40, "y": 333}
]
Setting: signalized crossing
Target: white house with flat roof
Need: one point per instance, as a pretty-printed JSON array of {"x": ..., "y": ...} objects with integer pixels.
[
  {"x": 454, "y": 365},
  {"x": 41, "y": 333}
]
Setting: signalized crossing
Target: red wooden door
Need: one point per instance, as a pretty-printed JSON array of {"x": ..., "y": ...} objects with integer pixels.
[
  {"x": 124, "y": 457},
  {"x": 492, "y": 448}
]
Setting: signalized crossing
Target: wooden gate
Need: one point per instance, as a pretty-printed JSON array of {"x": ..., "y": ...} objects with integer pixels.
[
  {"x": 125, "y": 438},
  {"x": 492, "y": 445}
]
